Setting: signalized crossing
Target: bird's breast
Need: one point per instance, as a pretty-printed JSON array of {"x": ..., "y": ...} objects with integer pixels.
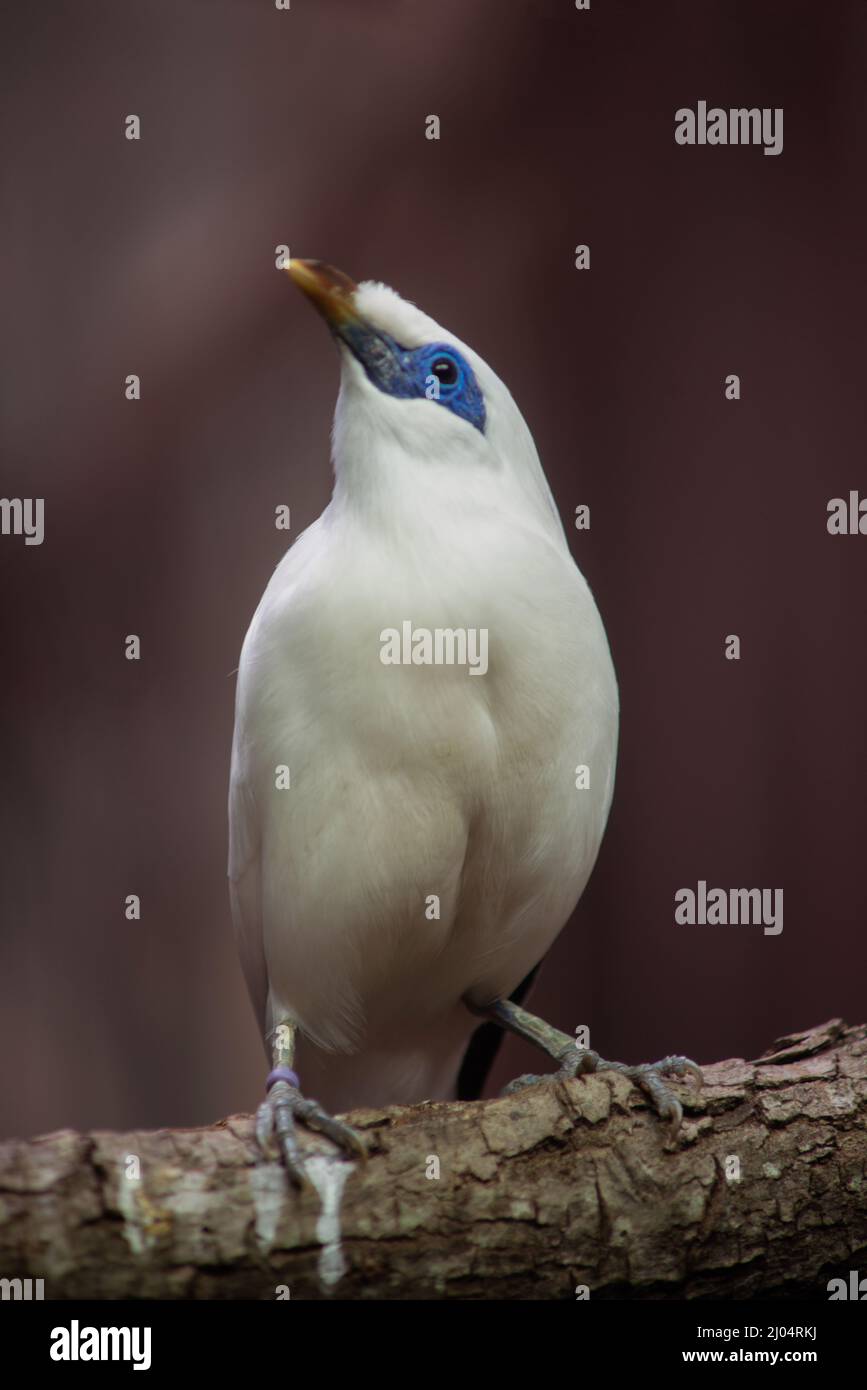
[{"x": 434, "y": 839}]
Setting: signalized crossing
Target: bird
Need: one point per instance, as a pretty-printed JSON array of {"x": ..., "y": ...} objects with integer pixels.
[{"x": 424, "y": 673}]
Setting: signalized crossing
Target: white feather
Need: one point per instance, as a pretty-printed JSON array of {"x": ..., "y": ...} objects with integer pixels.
[{"x": 409, "y": 781}]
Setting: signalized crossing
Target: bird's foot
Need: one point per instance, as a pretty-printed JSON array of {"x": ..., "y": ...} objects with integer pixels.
[
  {"x": 647, "y": 1076},
  {"x": 275, "y": 1121}
]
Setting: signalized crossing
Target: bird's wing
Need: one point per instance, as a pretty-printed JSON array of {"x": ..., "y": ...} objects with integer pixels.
[
  {"x": 245, "y": 877},
  {"x": 245, "y": 812}
]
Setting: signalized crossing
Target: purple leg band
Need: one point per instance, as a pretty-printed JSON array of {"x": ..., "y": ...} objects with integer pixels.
[{"x": 282, "y": 1074}]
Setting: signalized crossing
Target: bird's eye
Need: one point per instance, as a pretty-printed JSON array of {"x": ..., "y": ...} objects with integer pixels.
[{"x": 445, "y": 369}]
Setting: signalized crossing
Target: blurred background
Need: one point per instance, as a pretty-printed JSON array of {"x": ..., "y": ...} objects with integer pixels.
[{"x": 307, "y": 127}]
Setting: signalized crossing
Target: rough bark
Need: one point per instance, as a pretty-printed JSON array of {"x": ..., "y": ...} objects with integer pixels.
[{"x": 562, "y": 1184}]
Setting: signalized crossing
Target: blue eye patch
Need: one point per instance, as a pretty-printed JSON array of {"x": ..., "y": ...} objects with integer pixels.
[{"x": 436, "y": 371}]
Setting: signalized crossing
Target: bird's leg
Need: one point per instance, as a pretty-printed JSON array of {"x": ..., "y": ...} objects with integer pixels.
[
  {"x": 284, "y": 1103},
  {"x": 574, "y": 1060}
]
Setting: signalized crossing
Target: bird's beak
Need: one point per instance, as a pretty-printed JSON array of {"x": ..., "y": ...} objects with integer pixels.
[
  {"x": 329, "y": 290},
  {"x": 333, "y": 294}
]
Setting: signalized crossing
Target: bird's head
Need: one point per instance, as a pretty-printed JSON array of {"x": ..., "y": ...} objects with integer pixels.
[{"x": 418, "y": 410}]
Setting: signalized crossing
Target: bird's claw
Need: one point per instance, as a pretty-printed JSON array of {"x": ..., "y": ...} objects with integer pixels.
[
  {"x": 275, "y": 1119},
  {"x": 647, "y": 1076},
  {"x": 520, "y": 1082}
]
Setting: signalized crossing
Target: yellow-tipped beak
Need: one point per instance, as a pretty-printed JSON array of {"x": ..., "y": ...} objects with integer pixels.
[{"x": 329, "y": 290}]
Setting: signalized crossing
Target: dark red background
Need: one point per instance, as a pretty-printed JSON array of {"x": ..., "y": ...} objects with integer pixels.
[{"x": 708, "y": 517}]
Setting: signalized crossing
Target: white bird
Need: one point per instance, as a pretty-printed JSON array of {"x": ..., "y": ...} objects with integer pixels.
[{"x": 407, "y": 838}]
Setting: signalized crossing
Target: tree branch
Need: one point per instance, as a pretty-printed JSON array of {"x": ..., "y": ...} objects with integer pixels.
[{"x": 560, "y": 1185}]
